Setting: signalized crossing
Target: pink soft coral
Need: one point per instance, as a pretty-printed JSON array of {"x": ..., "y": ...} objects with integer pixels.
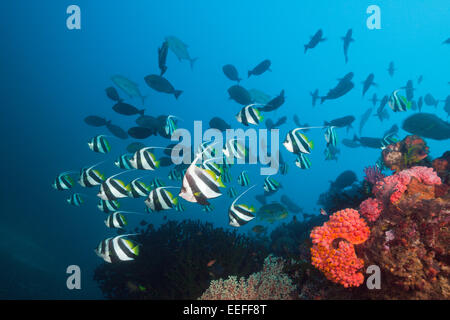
[{"x": 371, "y": 209}]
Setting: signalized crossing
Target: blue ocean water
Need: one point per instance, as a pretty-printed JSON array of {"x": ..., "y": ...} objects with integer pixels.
[{"x": 53, "y": 77}]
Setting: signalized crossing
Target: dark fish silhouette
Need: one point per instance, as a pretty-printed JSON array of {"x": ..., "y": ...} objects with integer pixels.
[
  {"x": 314, "y": 40},
  {"x": 341, "y": 122},
  {"x": 116, "y": 130},
  {"x": 351, "y": 143},
  {"x": 231, "y": 72},
  {"x": 275, "y": 103},
  {"x": 391, "y": 69},
  {"x": 260, "y": 68},
  {"x": 446, "y": 41},
  {"x": 95, "y": 121},
  {"x": 427, "y": 125},
  {"x": 161, "y": 84},
  {"x": 162, "y": 56},
  {"x": 127, "y": 109},
  {"x": 364, "y": 119},
  {"x": 369, "y": 142},
  {"x": 420, "y": 103},
  {"x": 430, "y": 100},
  {"x": 345, "y": 179},
  {"x": 315, "y": 96},
  {"x": 374, "y": 99},
  {"x": 409, "y": 89},
  {"x": 368, "y": 83},
  {"x": 112, "y": 93},
  {"x": 219, "y": 124},
  {"x": 344, "y": 86},
  {"x": 240, "y": 95},
  {"x": 140, "y": 132},
  {"x": 347, "y": 40}
]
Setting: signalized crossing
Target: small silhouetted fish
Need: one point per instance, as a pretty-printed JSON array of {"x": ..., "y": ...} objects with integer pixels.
[
  {"x": 140, "y": 132},
  {"x": 95, "y": 121},
  {"x": 419, "y": 79},
  {"x": 351, "y": 143},
  {"x": 369, "y": 142},
  {"x": 341, "y": 122},
  {"x": 112, "y": 93},
  {"x": 344, "y": 86},
  {"x": 116, "y": 130},
  {"x": 420, "y": 103},
  {"x": 161, "y": 84},
  {"x": 148, "y": 122},
  {"x": 347, "y": 40},
  {"x": 260, "y": 68},
  {"x": 219, "y": 124},
  {"x": 275, "y": 103},
  {"x": 231, "y": 72},
  {"x": 314, "y": 40},
  {"x": 344, "y": 180},
  {"x": 364, "y": 119},
  {"x": 368, "y": 83},
  {"x": 391, "y": 69},
  {"x": 374, "y": 99},
  {"x": 430, "y": 100},
  {"x": 315, "y": 96},
  {"x": 446, "y": 41},
  {"x": 127, "y": 109},
  {"x": 135, "y": 146},
  {"x": 162, "y": 56},
  {"x": 409, "y": 89},
  {"x": 240, "y": 95}
]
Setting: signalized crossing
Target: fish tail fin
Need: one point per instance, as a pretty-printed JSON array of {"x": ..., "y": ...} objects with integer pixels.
[
  {"x": 177, "y": 93},
  {"x": 192, "y": 61},
  {"x": 355, "y": 137},
  {"x": 322, "y": 99},
  {"x": 141, "y": 112}
]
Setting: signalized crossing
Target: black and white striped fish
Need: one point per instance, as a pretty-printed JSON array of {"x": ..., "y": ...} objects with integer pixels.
[
  {"x": 303, "y": 161},
  {"x": 249, "y": 115},
  {"x": 284, "y": 168},
  {"x": 117, "y": 249},
  {"x": 387, "y": 140},
  {"x": 240, "y": 214},
  {"x": 243, "y": 179},
  {"x": 144, "y": 160},
  {"x": 206, "y": 151},
  {"x": 170, "y": 126},
  {"x": 213, "y": 167},
  {"x": 123, "y": 162},
  {"x": 232, "y": 192},
  {"x": 398, "y": 103},
  {"x": 108, "y": 206},
  {"x": 116, "y": 220},
  {"x": 160, "y": 199},
  {"x": 330, "y": 136},
  {"x": 208, "y": 208},
  {"x": 113, "y": 189},
  {"x": 75, "y": 200},
  {"x": 156, "y": 183},
  {"x": 271, "y": 185},
  {"x": 137, "y": 189},
  {"x": 90, "y": 177},
  {"x": 179, "y": 207},
  {"x": 297, "y": 142},
  {"x": 99, "y": 144},
  {"x": 200, "y": 184},
  {"x": 63, "y": 181},
  {"x": 233, "y": 148}
]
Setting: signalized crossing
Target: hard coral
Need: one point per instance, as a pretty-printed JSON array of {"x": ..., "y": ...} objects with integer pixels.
[
  {"x": 269, "y": 284},
  {"x": 409, "y": 152},
  {"x": 333, "y": 252}
]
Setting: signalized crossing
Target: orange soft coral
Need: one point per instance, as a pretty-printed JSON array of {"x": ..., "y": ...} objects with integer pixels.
[
  {"x": 371, "y": 208},
  {"x": 338, "y": 261}
]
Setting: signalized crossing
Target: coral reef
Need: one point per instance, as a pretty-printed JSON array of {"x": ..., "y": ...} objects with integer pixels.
[
  {"x": 411, "y": 151},
  {"x": 373, "y": 174},
  {"x": 371, "y": 209},
  {"x": 269, "y": 284},
  {"x": 175, "y": 262},
  {"x": 410, "y": 240},
  {"x": 333, "y": 252}
]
